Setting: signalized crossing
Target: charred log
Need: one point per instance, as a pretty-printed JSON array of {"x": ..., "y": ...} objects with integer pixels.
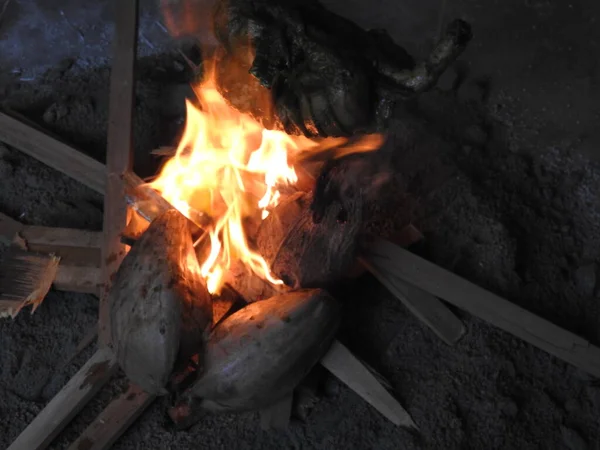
[
  {"x": 160, "y": 307},
  {"x": 305, "y": 253},
  {"x": 258, "y": 355},
  {"x": 325, "y": 75}
]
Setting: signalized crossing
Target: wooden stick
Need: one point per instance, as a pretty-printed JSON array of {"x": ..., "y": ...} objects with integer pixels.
[
  {"x": 78, "y": 279},
  {"x": 487, "y": 306},
  {"x": 425, "y": 306},
  {"x": 75, "y": 247},
  {"x": 119, "y": 415},
  {"x": 345, "y": 366},
  {"x": 8, "y": 307},
  {"x": 277, "y": 416},
  {"x": 67, "y": 403},
  {"x": 28, "y": 138},
  {"x": 119, "y": 157}
]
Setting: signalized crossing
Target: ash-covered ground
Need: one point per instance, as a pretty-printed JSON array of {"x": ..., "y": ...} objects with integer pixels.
[{"x": 499, "y": 167}]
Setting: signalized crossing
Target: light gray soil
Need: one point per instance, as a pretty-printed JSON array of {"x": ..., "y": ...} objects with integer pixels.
[{"x": 498, "y": 167}]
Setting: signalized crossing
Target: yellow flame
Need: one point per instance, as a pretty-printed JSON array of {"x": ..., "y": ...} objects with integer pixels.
[{"x": 231, "y": 168}]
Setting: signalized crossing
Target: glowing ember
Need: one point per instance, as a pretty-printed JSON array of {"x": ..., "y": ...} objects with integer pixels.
[{"x": 231, "y": 168}]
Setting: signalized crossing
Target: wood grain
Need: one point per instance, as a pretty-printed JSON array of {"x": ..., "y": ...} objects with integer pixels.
[
  {"x": 487, "y": 306},
  {"x": 422, "y": 304},
  {"x": 119, "y": 157},
  {"x": 31, "y": 140},
  {"x": 119, "y": 415},
  {"x": 345, "y": 366}
]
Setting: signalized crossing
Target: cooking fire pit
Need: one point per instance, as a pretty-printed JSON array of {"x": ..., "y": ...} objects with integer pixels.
[{"x": 236, "y": 209}]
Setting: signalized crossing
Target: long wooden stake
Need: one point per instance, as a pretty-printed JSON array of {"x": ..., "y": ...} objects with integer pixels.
[
  {"x": 423, "y": 305},
  {"x": 119, "y": 156},
  {"x": 28, "y": 138},
  {"x": 119, "y": 415},
  {"x": 67, "y": 403},
  {"x": 345, "y": 366},
  {"x": 487, "y": 306}
]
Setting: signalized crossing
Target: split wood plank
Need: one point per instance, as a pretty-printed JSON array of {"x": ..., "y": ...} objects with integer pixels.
[
  {"x": 119, "y": 415},
  {"x": 348, "y": 368},
  {"x": 67, "y": 403},
  {"x": 31, "y": 140},
  {"x": 78, "y": 279},
  {"x": 119, "y": 151},
  {"x": 277, "y": 416},
  {"x": 425, "y": 306},
  {"x": 487, "y": 306},
  {"x": 74, "y": 246}
]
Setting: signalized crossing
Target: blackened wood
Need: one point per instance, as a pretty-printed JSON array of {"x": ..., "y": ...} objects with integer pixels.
[{"x": 305, "y": 254}]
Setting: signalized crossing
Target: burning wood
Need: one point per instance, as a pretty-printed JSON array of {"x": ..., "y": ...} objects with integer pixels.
[
  {"x": 160, "y": 307},
  {"x": 308, "y": 254},
  {"x": 259, "y": 354}
]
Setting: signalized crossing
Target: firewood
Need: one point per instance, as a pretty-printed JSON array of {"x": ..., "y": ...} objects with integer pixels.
[
  {"x": 258, "y": 355},
  {"x": 160, "y": 307},
  {"x": 250, "y": 286},
  {"x": 305, "y": 254}
]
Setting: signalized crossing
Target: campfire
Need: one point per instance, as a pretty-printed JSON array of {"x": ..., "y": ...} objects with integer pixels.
[{"x": 222, "y": 300}]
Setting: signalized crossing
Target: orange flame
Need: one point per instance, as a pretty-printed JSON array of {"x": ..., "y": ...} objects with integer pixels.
[{"x": 230, "y": 168}]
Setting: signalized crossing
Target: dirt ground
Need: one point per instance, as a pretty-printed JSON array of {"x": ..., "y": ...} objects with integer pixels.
[{"x": 499, "y": 167}]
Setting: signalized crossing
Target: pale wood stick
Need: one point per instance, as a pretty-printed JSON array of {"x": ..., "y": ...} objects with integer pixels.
[
  {"x": 75, "y": 247},
  {"x": 67, "y": 403},
  {"x": 78, "y": 279},
  {"x": 345, "y": 366},
  {"x": 431, "y": 311},
  {"x": 119, "y": 415},
  {"x": 9, "y": 227},
  {"x": 25, "y": 136},
  {"x": 119, "y": 152},
  {"x": 485, "y": 305}
]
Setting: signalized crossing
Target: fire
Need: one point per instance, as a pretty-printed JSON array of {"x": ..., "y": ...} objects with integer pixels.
[{"x": 230, "y": 168}]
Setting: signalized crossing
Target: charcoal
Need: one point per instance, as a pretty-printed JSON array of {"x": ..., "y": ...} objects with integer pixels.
[{"x": 324, "y": 75}]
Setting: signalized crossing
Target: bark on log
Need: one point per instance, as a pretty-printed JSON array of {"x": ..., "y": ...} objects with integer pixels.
[
  {"x": 160, "y": 307},
  {"x": 259, "y": 354},
  {"x": 305, "y": 254}
]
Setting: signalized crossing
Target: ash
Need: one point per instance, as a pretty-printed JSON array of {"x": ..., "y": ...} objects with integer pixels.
[{"x": 498, "y": 166}]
